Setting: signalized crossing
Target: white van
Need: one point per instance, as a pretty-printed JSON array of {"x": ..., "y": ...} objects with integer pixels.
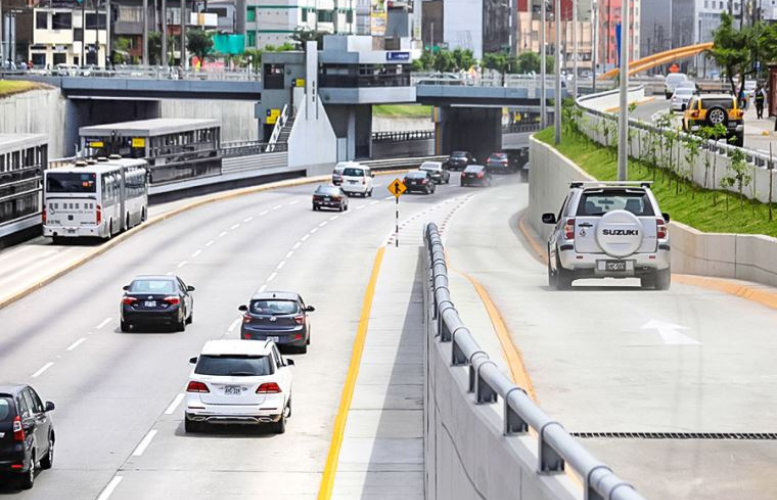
[{"x": 357, "y": 179}]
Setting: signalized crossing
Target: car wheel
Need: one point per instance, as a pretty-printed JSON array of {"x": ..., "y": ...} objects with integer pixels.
[
  {"x": 663, "y": 279},
  {"x": 180, "y": 326},
  {"x": 717, "y": 115},
  {"x": 564, "y": 278},
  {"x": 47, "y": 462},
  {"x": 315, "y": 208},
  {"x": 190, "y": 319},
  {"x": 124, "y": 326},
  {"x": 280, "y": 425},
  {"x": 370, "y": 192},
  {"x": 27, "y": 481},
  {"x": 303, "y": 349},
  {"x": 346, "y": 207},
  {"x": 551, "y": 275},
  {"x": 191, "y": 426},
  {"x": 288, "y": 415}
]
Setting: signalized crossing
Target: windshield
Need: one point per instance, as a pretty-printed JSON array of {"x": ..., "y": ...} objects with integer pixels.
[
  {"x": 5, "y": 408},
  {"x": 71, "y": 182},
  {"x": 599, "y": 203},
  {"x": 353, "y": 172},
  {"x": 328, "y": 190},
  {"x": 684, "y": 92},
  {"x": 274, "y": 307},
  {"x": 416, "y": 175},
  {"x": 458, "y": 154},
  {"x": 152, "y": 286},
  {"x": 675, "y": 78},
  {"x": 234, "y": 365},
  {"x": 430, "y": 166},
  {"x": 474, "y": 168}
]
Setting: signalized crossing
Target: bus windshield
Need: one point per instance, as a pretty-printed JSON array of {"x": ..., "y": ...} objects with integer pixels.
[{"x": 71, "y": 183}]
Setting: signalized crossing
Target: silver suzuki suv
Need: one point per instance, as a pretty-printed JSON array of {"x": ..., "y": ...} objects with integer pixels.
[{"x": 609, "y": 230}]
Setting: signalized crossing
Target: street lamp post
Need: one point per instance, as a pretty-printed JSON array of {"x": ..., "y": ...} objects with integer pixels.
[
  {"x": 164, "y": 34},
  {"x": 594, "y": 38},
  {"x": 557, "y": 61},
  {"x": 574, "y": 49},
  {"x": 543, "y": 69},
  {"x": 145, "y": 33},
  {"x": 623, "y": 123}
]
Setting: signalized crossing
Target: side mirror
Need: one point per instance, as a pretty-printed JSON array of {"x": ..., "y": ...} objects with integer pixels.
[
  {"x": 549, "y": 218},
  {"x": 666, "y": 217},
  {"x": 49, "y": 406},
  {"x": 193, "y": 361},
  {"x": 243, "y": 308},
  {"x": 125, "y": 287},
  {"x": 190, "y": 288},
  {"x": 310, "y": 309},
  {"x": 372, "y": 174},
  {"x": 289, "y": 362}
]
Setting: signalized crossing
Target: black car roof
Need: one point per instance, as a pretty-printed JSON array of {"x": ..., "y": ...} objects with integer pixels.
[{"x": 275, "y": 295}]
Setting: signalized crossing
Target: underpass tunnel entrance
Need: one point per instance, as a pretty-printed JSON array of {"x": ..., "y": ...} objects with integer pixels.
[
  {"x": 352, "y": 124},
  {"x": 477, "y": 130}
]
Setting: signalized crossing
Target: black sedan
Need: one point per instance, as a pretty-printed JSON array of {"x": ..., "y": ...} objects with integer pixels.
[
  {"x": 26, "y": 433},
  {"x": 419, "y": 180},
  {"x": 501, "y": 163},
  {"x": 459, "y": 160},
  {"x": 329, "y": 197},
  {"x": 476, "y": 175},
  {"x": 157, "y": 300},
  {"x": 278, "y": 316}
]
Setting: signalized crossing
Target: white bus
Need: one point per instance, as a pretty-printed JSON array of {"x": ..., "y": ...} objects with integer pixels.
[{"x": 98, "y": 199}]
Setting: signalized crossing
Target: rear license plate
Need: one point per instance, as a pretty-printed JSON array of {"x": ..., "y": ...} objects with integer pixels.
[
  {"x": 71, "y": 231},
  {"x": 615, "y": 266},
  {"x": 353, "y": 182},
  {"x": 327, "y": 199},
  {"x": 274, "y": 339},
  {"x": 233, "y": 390},
  {"x": 149, "y": 303}
]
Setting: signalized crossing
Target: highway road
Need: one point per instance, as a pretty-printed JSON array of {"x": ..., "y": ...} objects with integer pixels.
[
  {"x": 608, "y": 357},
  {"x": 119, "y": 419}
]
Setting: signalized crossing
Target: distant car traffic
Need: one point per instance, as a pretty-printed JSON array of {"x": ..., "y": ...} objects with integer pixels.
[
  {"x": 441, "y": 79},
  {"x": 357, "y": 179},
  {"x": 680, "y": 99},
  {"x": 157, "y": 300},
  {"x": 501, "y": 163},
  {"x": 329, "y": 197},
  {"x": 671, "y": 83},
  {"x": 419, "y": 180},
  {"x": 609, "y": 230},
  {"x": 278, "y": 316},
  {"x": 26, "y": 433},
  {"x": 709, "y": 110},
  {"x": 459, "y": 160},
  {"x": 337, "y": 173},
  {"x": 476, "y": 175},
  {"x": 238, "y": 382},
  {"x": 437, "y": 171}
]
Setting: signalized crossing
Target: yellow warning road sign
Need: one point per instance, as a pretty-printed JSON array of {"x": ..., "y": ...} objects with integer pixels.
[{"x": 397, "y": 188}]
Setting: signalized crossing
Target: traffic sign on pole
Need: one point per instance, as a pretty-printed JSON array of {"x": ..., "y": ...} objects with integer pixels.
[{"x": 397, "y": 188}]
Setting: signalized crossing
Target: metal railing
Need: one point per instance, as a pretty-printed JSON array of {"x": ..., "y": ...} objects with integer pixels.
[
  {"x": 276, "y": 131},
  {"x": 245, "y": 148},
  {"x": 557, "y": 448},
  {"x": 410, "y": 135},
  {"x": 138, "y": 73}
]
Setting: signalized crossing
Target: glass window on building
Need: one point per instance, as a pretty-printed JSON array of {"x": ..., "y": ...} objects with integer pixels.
[
  {"x": 304, "y": 15},
  {"x": 78, "y": 35},
  {"x": 95, "y": 21},
  {"x": 251, "y": 15},
  {"x": 251, "y": 42},
  {"x": 326, "y": 16},
  {"x": 62, "y": 21},
  {"x": 41, "y": 20},
  {"x": 349, "y": 17},
  {"x": 60, "y": 59}
]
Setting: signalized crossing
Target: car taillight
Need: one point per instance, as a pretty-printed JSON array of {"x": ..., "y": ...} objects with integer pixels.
[
  {"x": 480, "y": 174},
  {"x": 247, "y": 318},
  {"x": 569, "y": 229},
  {"x": 99, "y": 215},
  {"x": 268, "y": 388},
  {"x": 18, "y": 430},
  {"x": 661, "y": 230},
  {"x": 128, "y": 301},
  {"x": 695, "y": 114},
  {"x": 43, "y": 214},
  {"x": 423, "y": 181},
  {"x": 172, "y": 300},
  {"x": 336, "y": 198},
  {"x": 300, "y": 320},
  {"x": 195, "y": 386}
]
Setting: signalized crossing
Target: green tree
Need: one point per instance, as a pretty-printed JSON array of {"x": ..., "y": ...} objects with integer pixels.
[
  {"x": 301, "y": 36},
  {"x": 528, "y": 62},
  {"x": 741, "y": 175},
  {"x": 199, "y": 43},
  {"x": 463, "y": 59},
  {"x": 254, "y": 58},
  {"x": 424, "y": 63},
  {"x": 155, "y": 47},
  {"x": 443, "y": 61},
  {"x": 737, "y": 50},
  {"x": 121, "y": 48}
]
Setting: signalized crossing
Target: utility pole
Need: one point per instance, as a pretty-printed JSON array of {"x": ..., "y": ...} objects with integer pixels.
[
  {"x": 145, "y": 33},
  {"x": 543, "y": 69},
  {"x": 164, "y": 34},
  {"x": 184, "y": 59},
  {"x": 107, "y": 34},
  {"x": 623, "y": 136},
  {"x": 574, "y": 49},
  {"x": 2, "y": 39},
  {"x": 557, "y": 60},
  {"x": 83, "y": 33},
  {"x": 594, "y": 38},
  {"x": 96, "y": 5}
]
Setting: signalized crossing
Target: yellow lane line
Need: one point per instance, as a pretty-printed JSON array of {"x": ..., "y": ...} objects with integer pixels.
[
  {"x": 330, "y": 469},
  {"x": 162, "y": 217},
  {"x": 531, "y": 238},
  {"x": 753, "y": 293}
]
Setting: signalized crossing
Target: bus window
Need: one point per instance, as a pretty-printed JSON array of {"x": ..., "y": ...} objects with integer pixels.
[{"x": 71, "y": 183}]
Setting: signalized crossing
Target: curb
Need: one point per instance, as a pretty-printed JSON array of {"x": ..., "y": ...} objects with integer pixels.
[{"x": 104, "y": 247}]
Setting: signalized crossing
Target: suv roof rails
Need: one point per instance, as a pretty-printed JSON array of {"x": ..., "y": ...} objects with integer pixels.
[{"x": 580, "y": 184}]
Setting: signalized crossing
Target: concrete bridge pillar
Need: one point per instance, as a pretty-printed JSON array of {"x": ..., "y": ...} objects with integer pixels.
[{"x": 477, "y": 130}]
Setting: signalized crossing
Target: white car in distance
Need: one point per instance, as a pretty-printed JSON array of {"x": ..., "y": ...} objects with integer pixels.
[
  {"x": 681, "y": 97},
  {"x": 244, "y": 382},
  {"x": 357, "y": 179}
]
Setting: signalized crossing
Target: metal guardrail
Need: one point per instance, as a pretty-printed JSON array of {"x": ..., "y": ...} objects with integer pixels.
[
  {"x": 557, "y": 447},
  {"x": 245, "y": 148},
  {"x": 276, "y": 131},
  {"x": 140, "y": 73},
  {"x": 410, "y": 135},
  {"x": 392, "y": 163}
]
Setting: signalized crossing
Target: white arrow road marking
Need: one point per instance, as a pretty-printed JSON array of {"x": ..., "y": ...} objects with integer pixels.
[{"x": 670, "y": 333}]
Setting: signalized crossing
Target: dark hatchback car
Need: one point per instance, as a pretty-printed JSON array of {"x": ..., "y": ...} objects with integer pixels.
[
  {"x": 26, "y": 433},
  {"x": 476, "y": 175},
  {"x": 329, "y": 197},
  {"x": 155, "y": 301},
  {"x": 459, "y": 160},
  {"x": 278, "y": 316},
  {"x": 501, "y": 163},
  {"x": 419, "y": 180}
]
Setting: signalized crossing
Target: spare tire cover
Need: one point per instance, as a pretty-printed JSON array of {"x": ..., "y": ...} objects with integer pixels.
[{"x": 619, "y": 233}]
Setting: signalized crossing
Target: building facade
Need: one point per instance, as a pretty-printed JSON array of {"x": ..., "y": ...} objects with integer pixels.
[
  {"x": 655, "y": 34},
  {"x": 67, "y": 36},
  {"x": 273, "y": 22}
]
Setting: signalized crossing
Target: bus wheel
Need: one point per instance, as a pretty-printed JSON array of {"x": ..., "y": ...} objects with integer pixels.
[
  {"x": 110, "y": 229},
  {"x": 127, "y": 225},
  {"x": 143, "y": 214}
]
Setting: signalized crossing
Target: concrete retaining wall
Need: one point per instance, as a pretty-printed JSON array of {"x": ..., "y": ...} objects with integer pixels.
[
  {"x": 237, "y": 117},
  {"x": 746, "y": 257},
  {"x": 465, "y": 453},
  {"x": 36, "y": 112},
  {"x": 422, "y": 147}
]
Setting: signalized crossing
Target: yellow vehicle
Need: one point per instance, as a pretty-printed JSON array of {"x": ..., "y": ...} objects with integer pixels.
[{"x": 708, "y": 110}]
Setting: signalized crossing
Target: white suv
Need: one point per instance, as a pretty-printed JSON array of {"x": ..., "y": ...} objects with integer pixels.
[
  {"x": 609, "y": 230},
  {"x": 238, "y": 382},
  {"x": 357, "y": 179}
]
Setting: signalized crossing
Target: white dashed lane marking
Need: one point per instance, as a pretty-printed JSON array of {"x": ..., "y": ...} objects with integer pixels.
[
  {"x": 108, "y": 491},
  {"x": 196, "y": 254},
  {"x": 181, "y": 264},
  {"x": 103, "y": 323},
  {"x": 177, "y": 401},
  {"x": 144, "y": 443},
  {"x": 75, "y": 344},
  {"x": 209, "y": 243},
  {"x": 43, "y": 369}
]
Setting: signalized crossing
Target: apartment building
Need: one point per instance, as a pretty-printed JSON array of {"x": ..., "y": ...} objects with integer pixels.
[
  {"x": 273, "y": 22},
  {"x": 64, "y": 35}
]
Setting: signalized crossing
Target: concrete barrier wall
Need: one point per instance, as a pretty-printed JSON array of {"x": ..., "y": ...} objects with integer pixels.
[
  {"x": 237, "y": 117},
  {"x": 36, "y": 112},
  {"x": 466, "y": 455},
  {"x": 739, "y": 256}
]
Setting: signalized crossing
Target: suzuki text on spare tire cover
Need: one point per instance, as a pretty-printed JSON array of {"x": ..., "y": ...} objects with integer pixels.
[{"x": 609, "y": 230}]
